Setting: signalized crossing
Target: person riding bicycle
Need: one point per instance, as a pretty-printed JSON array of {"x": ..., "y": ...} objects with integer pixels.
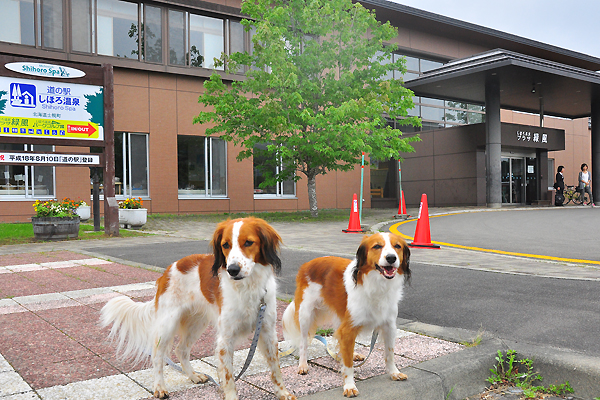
[{"x": 585, "y": 179}]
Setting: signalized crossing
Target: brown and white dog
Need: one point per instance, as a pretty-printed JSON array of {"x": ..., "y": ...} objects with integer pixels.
[
  {"x": 355, "y": 295},
  {"x": 224, "y": 289}
]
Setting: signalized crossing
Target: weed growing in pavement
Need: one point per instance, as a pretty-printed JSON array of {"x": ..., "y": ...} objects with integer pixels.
[
  {"x": 325, "y": 332},
  {"x": 520, "y": 373},
  {"x": 476, "y": 341}
]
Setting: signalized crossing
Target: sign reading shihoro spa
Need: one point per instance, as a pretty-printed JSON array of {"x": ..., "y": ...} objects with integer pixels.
[
  {"x": 58, "y": 110},
  {"x": 45, "y": 70}
]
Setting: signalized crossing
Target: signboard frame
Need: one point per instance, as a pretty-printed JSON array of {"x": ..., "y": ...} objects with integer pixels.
[{"x": 97, "y": 75}]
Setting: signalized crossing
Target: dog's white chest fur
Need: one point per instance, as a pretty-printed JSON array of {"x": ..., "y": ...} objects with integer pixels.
[{"x": 375, "y": 301}]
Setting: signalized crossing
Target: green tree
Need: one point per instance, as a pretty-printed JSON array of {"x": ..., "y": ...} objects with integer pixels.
[
  {"x": 95, "y": 107},
  {"x": 317, "y": 90},
  {"x": 2, "y": 102}
]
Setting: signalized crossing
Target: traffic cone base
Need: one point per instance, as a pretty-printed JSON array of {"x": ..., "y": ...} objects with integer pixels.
[
  {"x": 402, "y": 207},
  {"x": 422, "y": 232},
  {"x": 354, "y": 223}
]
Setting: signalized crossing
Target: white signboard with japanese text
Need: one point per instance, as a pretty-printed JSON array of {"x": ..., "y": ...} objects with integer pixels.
[
  {"x": 57, "y": 110},
  {"x": 7, "y": 157}
]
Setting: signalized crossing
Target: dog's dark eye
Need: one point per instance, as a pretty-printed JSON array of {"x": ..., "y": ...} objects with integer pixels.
[
  {"x": 398, "y": 246},
  {"x": 248, "y": 243},
  {"x": 225, "y": 245},
  {"x": 377, "y": 247}
]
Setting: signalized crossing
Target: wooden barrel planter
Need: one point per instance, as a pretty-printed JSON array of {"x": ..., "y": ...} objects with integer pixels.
[{"x": 55, "y": 228}]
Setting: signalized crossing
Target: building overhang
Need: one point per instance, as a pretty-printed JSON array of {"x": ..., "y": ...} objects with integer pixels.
[{"x": 525, "y": 83}]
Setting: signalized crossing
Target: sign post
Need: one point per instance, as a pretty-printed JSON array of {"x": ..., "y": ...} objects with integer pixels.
[{"x": 60, "y": 105}]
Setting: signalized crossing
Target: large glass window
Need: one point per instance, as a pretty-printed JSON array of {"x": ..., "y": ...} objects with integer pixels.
[
  {"x": 201, "y": 166},
  {"x": 17, "y": 23},
  {"x": 262, "y": 167},
  {"x": 118, "y": 31},
  {"x": 131, "y": 164},
  {"x": 152, "y": 31},
  {"x": 206, "y": 41},
  {"x": 21, "y": 181},
  {"x": 177, "y": 40},
  {"x": 52, "y": 23},
  {"x": 81, "y": 22}
]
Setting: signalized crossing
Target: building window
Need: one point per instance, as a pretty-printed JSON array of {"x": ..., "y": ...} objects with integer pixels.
[
  {"x": 263, "y": 167},
  {"x": 52, "y": 24},
  {"x": 82, "y": 34},
  {"x": 21, "y": 181},
  {"x": 118, "y": 31},
  {"x": 131, "y": 164},
  {"x": 201, "y": 166},
  {"x": 206, "y": 41},
  {"x": 152, "y": 33},
  {"x": 177, "y": 38}
]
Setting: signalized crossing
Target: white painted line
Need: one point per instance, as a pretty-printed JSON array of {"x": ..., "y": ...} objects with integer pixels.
[
  {"x": 108, "y": 387},
  {"x": 11, "y": 382}
]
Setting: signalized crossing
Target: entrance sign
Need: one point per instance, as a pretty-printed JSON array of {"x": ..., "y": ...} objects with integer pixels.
[
  {"x": 86, "y": 160},
  {"x": 45, "y": 70},
  {"x": 30, "y": 108}
]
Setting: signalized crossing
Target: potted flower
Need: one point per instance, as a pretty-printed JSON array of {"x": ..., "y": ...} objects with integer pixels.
[
  {"x": 131, "y": 213},
  {"x": 55, "y": 220},
  {"x": 83, "y": 210}
]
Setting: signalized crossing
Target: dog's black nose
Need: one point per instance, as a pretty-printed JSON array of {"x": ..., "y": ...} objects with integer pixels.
[
  {"x": 233, "y": 269},
  {"x": 390, "y": 258}
]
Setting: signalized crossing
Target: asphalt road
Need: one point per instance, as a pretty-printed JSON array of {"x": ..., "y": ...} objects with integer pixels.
[
  {"x": 556, "y": 312},
  {"x": 567, "y": 232}
]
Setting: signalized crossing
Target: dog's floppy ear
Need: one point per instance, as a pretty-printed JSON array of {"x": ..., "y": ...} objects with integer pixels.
[
  {"x": 361, "y": 258},
  {"x": 406, "y": 262},
  {"x": 215, "y": 243},
  {"x": 269, "y": 245}
]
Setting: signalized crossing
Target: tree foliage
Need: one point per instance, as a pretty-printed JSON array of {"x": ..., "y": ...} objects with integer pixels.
[{"x": 317, "y": 90}]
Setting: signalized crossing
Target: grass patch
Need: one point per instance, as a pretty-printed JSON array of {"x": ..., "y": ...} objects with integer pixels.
[
  {"x": 291, "y": 216},
  {"x": 324, "y": 332},
  {"x": 20, "y": 233}
]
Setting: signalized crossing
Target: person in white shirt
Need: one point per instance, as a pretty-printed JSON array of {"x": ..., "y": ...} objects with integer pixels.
[{"x": 585, "y": 183}]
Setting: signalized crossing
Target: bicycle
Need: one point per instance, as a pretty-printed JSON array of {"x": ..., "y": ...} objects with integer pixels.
[{"x": 574, "y": 195}]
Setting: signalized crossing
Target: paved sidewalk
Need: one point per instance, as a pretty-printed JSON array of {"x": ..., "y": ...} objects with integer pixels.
[{"x": 52, "y": 348}]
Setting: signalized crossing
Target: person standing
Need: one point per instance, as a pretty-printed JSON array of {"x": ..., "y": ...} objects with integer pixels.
[
  {"x": 585, "y": 183},
  {"x": 559, "y": 185}
]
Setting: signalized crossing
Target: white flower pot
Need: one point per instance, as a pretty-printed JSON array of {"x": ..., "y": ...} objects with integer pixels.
[
  {"x": 133, "y": 218},
  {"x": 83, "y": 212}
]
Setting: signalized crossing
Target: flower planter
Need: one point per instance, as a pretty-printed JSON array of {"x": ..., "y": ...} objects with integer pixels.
[
  {"x": 83, "y": 212},
  {"x": 55, "y": 228},
  {"x": 133, "y": 218}
]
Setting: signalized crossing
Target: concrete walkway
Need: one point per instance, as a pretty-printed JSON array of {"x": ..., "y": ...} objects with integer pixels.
[{"x": 51, "y": 347}]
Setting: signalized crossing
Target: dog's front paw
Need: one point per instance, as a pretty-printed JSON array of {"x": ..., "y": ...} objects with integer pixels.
[
  {"x": 199, "y": 378},
  {"x": 398, "y": 376},
  {"x": 302, "y": 369},
  {"x": 287, "y": 396},
  {"x": 358, "y": 357},
  {"x": 160, "y": 392},
  {"x": 350, "y": 391}
]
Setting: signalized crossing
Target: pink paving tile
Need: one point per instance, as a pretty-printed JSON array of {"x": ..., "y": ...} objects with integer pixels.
[
  {"x": 53, "y": 281},
  {"x": 422, "y": 348},
  {"x": 47, "y": 374},
  {"x": 317, "y": 380},
  {"x": 81, "y": 324},
  {"x": 13, "y": 285},
  {"x": 124, "y": 366},
  {"x": 28, "y": 258},
  {"x": 211, "y": 392},
  {"x": 95, "y": 276},
  {"x": 130, "y": 274}
]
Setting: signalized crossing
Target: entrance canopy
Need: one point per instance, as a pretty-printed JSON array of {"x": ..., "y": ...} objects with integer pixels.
[{"x": 525, "y": 83}]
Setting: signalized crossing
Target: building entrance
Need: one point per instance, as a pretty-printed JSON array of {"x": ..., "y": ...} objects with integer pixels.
[{"x": 518, "y": 180}]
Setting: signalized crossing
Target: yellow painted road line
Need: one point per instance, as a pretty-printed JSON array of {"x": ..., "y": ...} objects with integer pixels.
[{"x": 394, "y": 229}]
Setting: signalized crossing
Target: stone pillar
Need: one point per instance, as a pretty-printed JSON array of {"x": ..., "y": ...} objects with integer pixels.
[
  {"x": 595, "y": 167},
  {"x": 493, "y": 145}
]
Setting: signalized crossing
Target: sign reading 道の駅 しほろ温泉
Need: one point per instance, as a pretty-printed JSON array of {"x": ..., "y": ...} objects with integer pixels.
[{"x": 49, "y": 109}]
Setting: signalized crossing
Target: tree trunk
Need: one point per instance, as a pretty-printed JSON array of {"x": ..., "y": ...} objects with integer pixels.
[{"x": 312, "y": 195}]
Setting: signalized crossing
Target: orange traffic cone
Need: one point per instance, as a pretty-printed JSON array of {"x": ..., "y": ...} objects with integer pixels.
[
  {"x": 402, "y": 207},
  {"x": 422, "y": 233},
  {"x": 354, "y": 223}
]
